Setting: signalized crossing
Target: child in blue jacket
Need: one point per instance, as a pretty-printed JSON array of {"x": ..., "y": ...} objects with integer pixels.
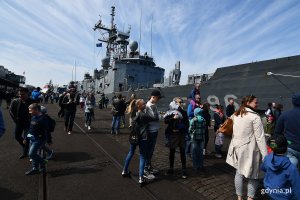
[{"x": 282, "y": 178}]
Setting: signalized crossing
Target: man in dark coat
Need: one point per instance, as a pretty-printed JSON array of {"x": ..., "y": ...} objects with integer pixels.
[
  {"x": 289, "y": 125},
  {"x": 19, "y": 112}
]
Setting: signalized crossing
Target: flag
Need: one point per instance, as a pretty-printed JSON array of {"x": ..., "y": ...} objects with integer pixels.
[{"x": 99, "y": 45}]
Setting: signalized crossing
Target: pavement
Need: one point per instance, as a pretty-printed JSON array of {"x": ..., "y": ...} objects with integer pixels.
[{"x": 88, "y": 165}]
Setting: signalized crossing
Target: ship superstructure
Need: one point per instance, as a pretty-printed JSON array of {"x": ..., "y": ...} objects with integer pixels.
[{"x": 122, "y": 69}]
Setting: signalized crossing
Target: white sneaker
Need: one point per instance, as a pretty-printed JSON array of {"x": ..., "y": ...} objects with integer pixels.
[
  {"x": 85, "y": 125},
  {"x": 148, "y": 175},
  {"x": 69, "y": 133},
  {"x": 89, "y": 127},
  {"x": 218, "y": 155},
  {"x": 142, "y": 181},
  {"x": 204, "y": 152}
]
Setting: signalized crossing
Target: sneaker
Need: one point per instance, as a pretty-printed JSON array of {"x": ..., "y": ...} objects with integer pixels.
[
  {"x": 148, "y": 175},
  {"x": 218, "y": 155},
  {"x": 183, "y": 175},
  {"x": 69, "y": 133},
  {"x": 112, "y": 132},
  {"x": 89, "y": 127},
  {"x": 204, "y": 152},
  {"x": 126, "y": 174},
  {"x": 142, "y": 181},
  {"x": 32, "y": 172},
  {"x": 152, "y": 170},
  {"x": 50, "y": 156},
  {"x": 85, "y": 125},
  {"x": 117, "y": 132}
]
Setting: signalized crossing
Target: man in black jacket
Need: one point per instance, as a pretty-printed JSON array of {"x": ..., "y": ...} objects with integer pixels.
[
  {"x": 230, "y": 109},
  {"x": 70, "y": 102},
  {"x": 19, "y": 112},
  {"x": 119, "y": 108}
]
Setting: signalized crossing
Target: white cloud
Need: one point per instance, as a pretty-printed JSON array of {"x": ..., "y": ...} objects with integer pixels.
[{"x": 202, "y": 34}]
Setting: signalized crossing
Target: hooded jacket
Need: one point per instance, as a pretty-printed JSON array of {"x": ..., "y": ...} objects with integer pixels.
[
  {"x": 281, "y": 174},
  {"x": 197, "y": 125},
  {"x": 289, "y": 124}
]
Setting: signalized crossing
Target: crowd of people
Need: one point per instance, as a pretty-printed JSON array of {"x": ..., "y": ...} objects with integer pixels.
[
  {"x": 256, "y": 151},
  {"x": 272, "y": 147}
]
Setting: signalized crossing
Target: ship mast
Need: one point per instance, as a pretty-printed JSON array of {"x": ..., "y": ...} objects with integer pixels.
[{"x": 116, "y": 41}]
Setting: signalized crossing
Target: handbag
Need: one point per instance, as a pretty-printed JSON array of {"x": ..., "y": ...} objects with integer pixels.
[
  {"x": 134, "y": 135},
  {"x": 227, "y": 127}
]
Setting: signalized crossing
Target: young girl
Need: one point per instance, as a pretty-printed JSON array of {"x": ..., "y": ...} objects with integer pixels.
[
  {"x": 219, "y": 119},
  {"x": 197, "y": 134}
]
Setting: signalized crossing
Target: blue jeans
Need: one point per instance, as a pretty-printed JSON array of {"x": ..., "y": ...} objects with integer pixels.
[
  {"x": 197, "y": 153},
  {"x": 143, "y": 149},
  {"x": 88, "y": 118},
  {"x": 151, "y": 145},
  {"x": 115, "y": 125},
  {"x": 294, "y": 156},
  {"x": 188, "y": 148},
  {"x": 37, "y": 160},
  {"x": 218, "y": 149}
]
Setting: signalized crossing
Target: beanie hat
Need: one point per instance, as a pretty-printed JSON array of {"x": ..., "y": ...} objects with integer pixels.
[{"x": 278, "y": 144}]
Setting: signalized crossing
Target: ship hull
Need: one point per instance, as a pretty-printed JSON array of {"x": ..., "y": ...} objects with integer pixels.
[{"x": 238, "y": 81}]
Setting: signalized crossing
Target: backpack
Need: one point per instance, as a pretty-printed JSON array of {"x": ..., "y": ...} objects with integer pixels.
[
  {"x": 197, "y": 129},
  {"x": 51, "y": 123},
  {"x": 134, "y": 136}
]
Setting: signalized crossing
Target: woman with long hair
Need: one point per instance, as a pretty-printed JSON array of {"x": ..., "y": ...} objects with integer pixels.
[
  {"x": 248, "y": 146},
  {"x": 142, "y": 120}
]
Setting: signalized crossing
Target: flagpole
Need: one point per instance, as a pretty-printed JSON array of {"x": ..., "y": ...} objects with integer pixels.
[
  {"x": 72, "y": 72},
  {"x": 140, "y": 32},
  {"x": 75, "y": 71}
]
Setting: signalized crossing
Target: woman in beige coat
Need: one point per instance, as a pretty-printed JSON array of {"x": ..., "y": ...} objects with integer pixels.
[{"x": 248, "y": 146}]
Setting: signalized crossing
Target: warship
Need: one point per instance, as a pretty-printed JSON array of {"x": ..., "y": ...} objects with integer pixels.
[{"x": 126, "y": 71}]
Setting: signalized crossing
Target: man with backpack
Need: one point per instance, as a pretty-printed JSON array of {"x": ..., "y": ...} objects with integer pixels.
[
  {"x": 70, "y": 102},
  {"x": 19, "y": 113}
]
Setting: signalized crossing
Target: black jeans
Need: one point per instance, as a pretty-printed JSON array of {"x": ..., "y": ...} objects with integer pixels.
[
  {"x": 20, "y": 135},
  {"x": 61, "y": 112},
  {"x": 206, "y": 137},
  {"x": 182, "y": 157},
  {"x": 69, "y": 119}
]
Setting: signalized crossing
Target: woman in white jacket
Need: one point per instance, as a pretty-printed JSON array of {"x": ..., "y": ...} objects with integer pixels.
[{"x": 248, "y": 146}]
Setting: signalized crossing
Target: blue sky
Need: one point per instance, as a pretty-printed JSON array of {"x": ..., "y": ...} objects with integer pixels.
[{"x": 44, "y": 38}]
